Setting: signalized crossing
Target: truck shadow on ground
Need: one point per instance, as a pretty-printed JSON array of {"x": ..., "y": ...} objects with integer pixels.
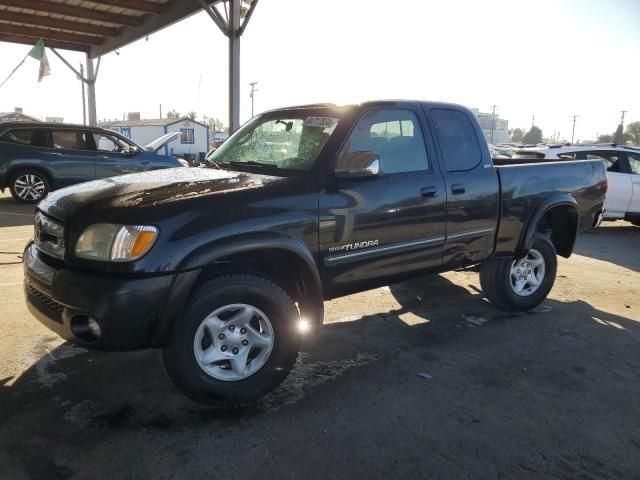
[
  {"x": 612, "y": 243},
  {"x": 70, "y": 392}
]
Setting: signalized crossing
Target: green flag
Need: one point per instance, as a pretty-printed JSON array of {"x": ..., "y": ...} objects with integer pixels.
[{"x": 39, "y": 54}]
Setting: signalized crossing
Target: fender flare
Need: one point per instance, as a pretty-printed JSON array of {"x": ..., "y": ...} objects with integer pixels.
[
  {"x": 528, "y": 234},
  {"x": 209, "y": 253}
]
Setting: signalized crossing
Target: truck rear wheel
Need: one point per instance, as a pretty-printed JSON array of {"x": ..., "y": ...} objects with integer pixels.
[
  {"x": 236, "y": 342},
  {"x": 518, "y": 285}
]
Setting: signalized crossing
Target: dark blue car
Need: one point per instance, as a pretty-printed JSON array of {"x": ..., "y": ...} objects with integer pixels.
[{"x": 36, "y": 158}]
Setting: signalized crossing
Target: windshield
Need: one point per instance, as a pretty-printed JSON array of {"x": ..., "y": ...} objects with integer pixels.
[{"x": 286, "y": 140}]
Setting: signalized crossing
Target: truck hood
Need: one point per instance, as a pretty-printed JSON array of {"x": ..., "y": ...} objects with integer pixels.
[
  {"x": 149, "y": 189},
  {"x": 160, "y": 142}
]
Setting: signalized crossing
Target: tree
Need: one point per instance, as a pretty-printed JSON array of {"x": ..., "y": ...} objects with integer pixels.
[
  {"x": 192, "y": 115},
  {"x": 534, "y": 135},
  {"x": 605, "y": 138},
  {"x": 517, "y": 135},
  {"x": 173, "y": 114},
  {"x": 632, "y": 132},
  {"x": 215, "y": 124},
  {"x": 618, "y": 136}
]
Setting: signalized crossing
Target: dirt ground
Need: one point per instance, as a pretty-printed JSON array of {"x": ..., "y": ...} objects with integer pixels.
[{"x": 422, "y": 379}]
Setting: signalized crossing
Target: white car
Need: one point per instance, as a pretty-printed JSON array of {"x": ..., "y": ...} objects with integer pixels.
[{"x": 623, "y": 173}]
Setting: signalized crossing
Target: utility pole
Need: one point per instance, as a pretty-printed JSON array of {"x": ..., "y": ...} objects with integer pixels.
[
  {"x": 622, "y": 119},
  {"x": 252, "y": 94},
  {"x": 533, "y": 120},
  {"x": 573, "y": 130},
  {"x": 160, "y": 110},
  {"x": 84, "y": 108},
  {"x": 493, "y": 121}
]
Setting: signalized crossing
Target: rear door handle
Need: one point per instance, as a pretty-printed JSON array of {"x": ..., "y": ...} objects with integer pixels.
[
  {"x": 457, "y": 189},
  {"x": 429, "y": 192}
]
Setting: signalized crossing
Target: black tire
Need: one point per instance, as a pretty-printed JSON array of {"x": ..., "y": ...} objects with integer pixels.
[
  {"x": 495, "y": 279},
  {"x": 25, "y": 194},
  {"x": 259, "y": 292}
]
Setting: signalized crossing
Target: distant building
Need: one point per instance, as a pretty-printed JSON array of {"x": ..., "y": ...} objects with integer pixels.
[
  {"x": 193, "y": 142},
  {"x": 54, "y": 120},
  {"x": 16, "y": 116},
  {"x": 500, "y": 126}
]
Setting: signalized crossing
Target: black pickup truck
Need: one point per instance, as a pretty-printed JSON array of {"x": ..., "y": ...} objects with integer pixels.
[{"x": 223, "y": 266}]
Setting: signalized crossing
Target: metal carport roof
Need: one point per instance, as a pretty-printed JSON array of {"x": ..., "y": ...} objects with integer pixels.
[{"x": 99, "y": 27}]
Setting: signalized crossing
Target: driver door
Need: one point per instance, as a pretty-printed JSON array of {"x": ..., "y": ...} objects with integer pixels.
[
  {"x": 374, "y": 228},
  {"x": 110, "y": 157}
]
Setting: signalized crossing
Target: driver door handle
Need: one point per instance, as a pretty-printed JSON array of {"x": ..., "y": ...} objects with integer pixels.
[{"x": 429, "y": 192}]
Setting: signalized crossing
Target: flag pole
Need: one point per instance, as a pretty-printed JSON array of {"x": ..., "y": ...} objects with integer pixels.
[{"x": 14, "y": 70}]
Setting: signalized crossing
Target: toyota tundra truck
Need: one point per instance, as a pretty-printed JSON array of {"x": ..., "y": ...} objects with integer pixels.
[{"x": 223, "y": 267}]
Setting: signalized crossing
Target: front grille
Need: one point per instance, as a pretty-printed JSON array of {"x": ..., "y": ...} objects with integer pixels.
[
  {"x": 48, "y": 236},
  {"x": 46, "y": 300}
]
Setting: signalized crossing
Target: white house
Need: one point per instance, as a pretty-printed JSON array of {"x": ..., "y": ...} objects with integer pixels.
[{"x": 192, "y": 143}]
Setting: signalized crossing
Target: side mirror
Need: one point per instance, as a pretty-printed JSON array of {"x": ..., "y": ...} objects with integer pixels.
[
  {"x": 131, "y": 151},
  {"x": 359, "y": 165}
]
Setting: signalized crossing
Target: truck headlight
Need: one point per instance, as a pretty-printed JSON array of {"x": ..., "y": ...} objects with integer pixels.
[{"x": 116, "y": 243}]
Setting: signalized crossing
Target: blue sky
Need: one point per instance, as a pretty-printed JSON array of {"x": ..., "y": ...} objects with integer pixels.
[{"x": 548, "y": 58}]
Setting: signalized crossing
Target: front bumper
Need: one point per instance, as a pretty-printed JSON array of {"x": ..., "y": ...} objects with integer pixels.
[{"x": 133, "y": 312}]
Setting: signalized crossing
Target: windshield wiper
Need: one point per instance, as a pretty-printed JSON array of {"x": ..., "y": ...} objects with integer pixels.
[
  {"x": 252, "y": 163},
  {"x": 217, "y": 165}
]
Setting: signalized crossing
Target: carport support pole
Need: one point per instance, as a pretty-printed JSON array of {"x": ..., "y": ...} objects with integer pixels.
[
  {"x": 91, "y": 93},
  {"x": 234, "y": 65}
]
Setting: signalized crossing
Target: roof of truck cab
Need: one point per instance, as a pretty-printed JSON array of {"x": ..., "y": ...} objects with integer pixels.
[{"x": 369, "y": 104}]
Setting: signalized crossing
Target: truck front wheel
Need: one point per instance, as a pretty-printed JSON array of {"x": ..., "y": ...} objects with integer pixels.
[
  {"x": 236, "y": 342},
  {"x": 518, "y": 285}
]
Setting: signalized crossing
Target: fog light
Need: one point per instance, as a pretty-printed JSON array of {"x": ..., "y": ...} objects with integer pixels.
[
  {"x": 303, "y": 325},
  {"x": 85, "y": 328}
]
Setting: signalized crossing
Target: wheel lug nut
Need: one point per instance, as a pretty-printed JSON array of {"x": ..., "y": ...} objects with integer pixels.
[
  {"x": 235, "y": 351},
  {"x": 243, "y": 330},
  {"x": 222, "y": 336},
  {"x": 231, "y": 328},
  {"x": 223, "y": 348},
  {"x": 245, "y": 342}
]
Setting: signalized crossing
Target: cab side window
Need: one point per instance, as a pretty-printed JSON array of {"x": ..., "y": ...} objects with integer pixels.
[
  {"x": 634, "y": 162},
  {"x": 611, "y": 160},
  {"x": 108, "y": 143},
  {"x": 70, "y": 140},
  {"x": 457, "y": 139},
  {"x": 394, "y": 135}
]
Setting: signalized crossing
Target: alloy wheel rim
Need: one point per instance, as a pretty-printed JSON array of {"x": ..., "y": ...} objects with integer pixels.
[
  {"x": 527, "y": 274},
  {"x": 29, "y": 187},
  {"x": 233, "y": 342}
]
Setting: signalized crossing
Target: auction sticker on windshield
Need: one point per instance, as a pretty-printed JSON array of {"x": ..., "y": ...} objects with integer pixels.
[{"x": 320, "y": 122}]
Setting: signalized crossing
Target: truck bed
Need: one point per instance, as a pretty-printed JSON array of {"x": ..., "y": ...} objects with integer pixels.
[{"x": 523, "y": 186}]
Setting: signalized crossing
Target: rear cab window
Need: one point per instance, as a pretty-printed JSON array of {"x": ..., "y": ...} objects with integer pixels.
[{"x": 457, "y": 138}]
